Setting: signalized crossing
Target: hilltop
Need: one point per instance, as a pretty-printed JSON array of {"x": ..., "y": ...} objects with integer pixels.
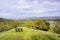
[{"x": 28, "y": 34}]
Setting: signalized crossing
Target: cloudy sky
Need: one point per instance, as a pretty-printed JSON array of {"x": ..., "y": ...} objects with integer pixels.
[{"x": 29, "y": 8}]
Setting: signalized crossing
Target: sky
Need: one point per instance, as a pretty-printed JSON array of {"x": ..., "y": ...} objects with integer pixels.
[{"x": 29, "y": 8}]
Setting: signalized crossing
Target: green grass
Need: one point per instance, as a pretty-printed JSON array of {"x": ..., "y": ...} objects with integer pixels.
[{"x": 28, "y": 34}]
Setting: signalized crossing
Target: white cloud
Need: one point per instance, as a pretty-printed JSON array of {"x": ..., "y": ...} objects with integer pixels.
[{"x": 11, "y": 8}]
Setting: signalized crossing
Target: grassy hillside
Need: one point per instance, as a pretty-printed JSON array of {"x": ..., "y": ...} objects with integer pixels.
[{"x": 28, "y": 34}]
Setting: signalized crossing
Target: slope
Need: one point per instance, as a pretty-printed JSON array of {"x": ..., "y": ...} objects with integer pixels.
[{"x": 28, "y": 34}]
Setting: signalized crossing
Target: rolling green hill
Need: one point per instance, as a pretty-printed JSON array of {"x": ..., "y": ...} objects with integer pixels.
[{"x": 28, "y": 34}]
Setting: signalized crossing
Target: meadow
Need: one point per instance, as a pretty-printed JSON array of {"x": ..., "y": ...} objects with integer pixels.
[
  {"x": 30, "y": 31},
  {"x": 28, "y": 34}
]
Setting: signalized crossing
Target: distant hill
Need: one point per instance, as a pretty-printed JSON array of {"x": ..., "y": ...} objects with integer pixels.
[
  {"x": 49, "y": 18},
  {"x": 54, "y": 18}
]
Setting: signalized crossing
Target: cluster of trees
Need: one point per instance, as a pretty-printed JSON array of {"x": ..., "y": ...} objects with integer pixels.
[
  {"x": 38, "y": 24},
  {"x": 41, "y": 24},
  {"x": 6, "y": 24}
]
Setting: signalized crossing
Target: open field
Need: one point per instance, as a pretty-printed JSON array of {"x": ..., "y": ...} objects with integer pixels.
[{"x": 28, "y": 34}]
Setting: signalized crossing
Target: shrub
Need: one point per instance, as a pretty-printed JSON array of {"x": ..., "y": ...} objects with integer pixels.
[
  {"x": 39, "y": 24},
  {"x": 57, "y": 29}
]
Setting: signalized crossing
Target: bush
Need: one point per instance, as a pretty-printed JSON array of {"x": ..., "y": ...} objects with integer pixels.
[
  {"x": 39, "y": 24},
  {"x": 57, "y": 29}
]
